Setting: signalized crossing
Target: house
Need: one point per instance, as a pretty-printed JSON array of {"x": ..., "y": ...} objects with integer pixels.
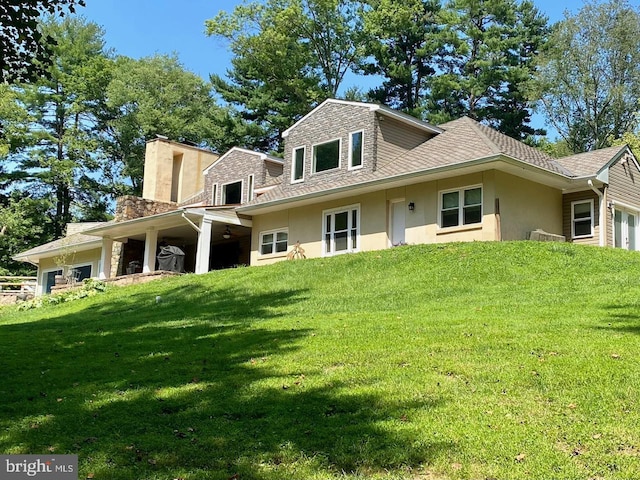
[{"x": 355, "y": 177}]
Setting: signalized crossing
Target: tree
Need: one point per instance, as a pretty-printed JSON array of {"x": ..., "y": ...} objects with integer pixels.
[
  {"x": 58, "y": 137},
  {"x": 487, "y": 63},
  {"x": 289, "y": 55},
  {"x": 155, "y": 96},
  {"x": 402, "y": 41},
  {"x": 25, "y": 50},
  {"x": 23, "y": 225},
  {"x": 589, "y": 77}
]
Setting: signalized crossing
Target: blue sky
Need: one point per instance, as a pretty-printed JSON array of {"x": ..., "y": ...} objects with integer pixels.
[{"x": 140, "y": 28}]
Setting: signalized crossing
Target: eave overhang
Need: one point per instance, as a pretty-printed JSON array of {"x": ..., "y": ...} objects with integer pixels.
[
  {"x": 498, "y": 162},
  {"x": 165, "y": 221}
]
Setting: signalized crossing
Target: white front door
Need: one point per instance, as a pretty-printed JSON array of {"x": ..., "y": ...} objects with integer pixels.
[
  {"x": 397, "y": 222},
  {"x": 625, "y": 225}
]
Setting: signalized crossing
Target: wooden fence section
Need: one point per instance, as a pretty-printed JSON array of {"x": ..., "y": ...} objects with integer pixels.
[{"x": 15, "y": 285}]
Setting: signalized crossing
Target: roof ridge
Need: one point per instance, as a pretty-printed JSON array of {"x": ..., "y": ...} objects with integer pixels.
[{"x": 476, "y": 127}]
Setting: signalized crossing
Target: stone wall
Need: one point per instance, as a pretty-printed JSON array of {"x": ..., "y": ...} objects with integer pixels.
[{"x": 130, "y": 207}]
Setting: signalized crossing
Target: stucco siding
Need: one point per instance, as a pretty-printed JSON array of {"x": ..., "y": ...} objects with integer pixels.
[
  {"x": 567, "y": 201},
  {"x": 73, "y": 259},
  {"x": 526, "y": 206},
  {"x": 174, "y": 169},
  {"x": 305, "y": 224}
]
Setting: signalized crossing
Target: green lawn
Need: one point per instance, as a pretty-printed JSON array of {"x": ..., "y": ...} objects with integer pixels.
[{"x": 458, "y": 361}]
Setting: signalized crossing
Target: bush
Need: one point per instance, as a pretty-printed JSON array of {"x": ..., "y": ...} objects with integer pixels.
[{"x": 89, "y": 288}]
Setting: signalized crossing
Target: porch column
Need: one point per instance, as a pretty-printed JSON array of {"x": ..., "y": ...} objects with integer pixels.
[
  {"x": 204, "y": 246},
  {"x": 150, "y": 246},
  {"x": 105, "y": 258}
]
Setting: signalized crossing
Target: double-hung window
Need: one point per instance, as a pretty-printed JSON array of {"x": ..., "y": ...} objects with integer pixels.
[
  {"x": 326, "y": 156},
  {"x": 582, "y": 219},
  {"x": 297, "y": 168},
  {"x": 274, "y": 242},
  {"x": 341, "y": 230},
  {"x": 461, "y": 207}
]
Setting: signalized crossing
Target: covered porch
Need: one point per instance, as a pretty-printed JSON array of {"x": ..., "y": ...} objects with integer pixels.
[{"x": 210, "y": 237}]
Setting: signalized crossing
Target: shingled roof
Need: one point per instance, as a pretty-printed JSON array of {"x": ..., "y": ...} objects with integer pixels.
[
  {"x": 462, "y": 141},
  {"x": 75, "y": 242},
  {"x": 590, "y": 163}
]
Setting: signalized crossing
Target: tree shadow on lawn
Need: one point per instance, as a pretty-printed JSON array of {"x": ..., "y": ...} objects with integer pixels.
[
  {"x": 622, "y": 318},
  {"x": 144, "y": 390}
]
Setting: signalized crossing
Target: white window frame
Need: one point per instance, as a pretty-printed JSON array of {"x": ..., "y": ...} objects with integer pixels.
[
  {"x": 573, "y": 218},
  {"x": 275, "y": 233},
  {"x": 313, "y": 155},
  {"x": 461, "y": 206},
  {"x": 293, "y": 164},
  {"x": 223, "y": 193},
  {"x": 43, "y": 278},
  {"x": 214, "y": 194},
  {"x": 250, "y": 189},
  {"x": 350, "y": 248},
  {"x": 351, "y": 165},
  {"x": 87, "y": 264}
]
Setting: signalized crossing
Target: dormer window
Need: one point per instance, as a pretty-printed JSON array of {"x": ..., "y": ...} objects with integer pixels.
[
  {"x": 326, "y": 156},
  {"x": 355, "y": 150},
  {"x": 232, "y": 193}
]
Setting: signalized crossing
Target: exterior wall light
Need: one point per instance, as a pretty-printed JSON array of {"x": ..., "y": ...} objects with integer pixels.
[
  {"x": 412, "y": 206},
  {"x": 227, "y": 233}
]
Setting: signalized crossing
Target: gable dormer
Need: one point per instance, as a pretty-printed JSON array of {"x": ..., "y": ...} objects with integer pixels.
[
  {"x": 341, "y": 139},
  {"x": 239, "y": 175}
]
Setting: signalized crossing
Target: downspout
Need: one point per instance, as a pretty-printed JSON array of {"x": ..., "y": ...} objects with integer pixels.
[{"x": 601, "y": 213}]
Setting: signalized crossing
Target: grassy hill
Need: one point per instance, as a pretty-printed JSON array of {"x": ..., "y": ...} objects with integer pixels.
[{"x": 457, "y": 361}]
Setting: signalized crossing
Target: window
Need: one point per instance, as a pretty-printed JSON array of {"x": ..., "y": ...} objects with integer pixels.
[
  {"x": 341, "y": 230},
  {"x": 355, "y": 150},
  {"x": 214, "y": 194},
  {"x": 232, "y": 193},
  {"x": 297, "y": 169},
  {"x": 461, "y": 207},
  {"x": 48, "y": 279},
  {"x": 326, "y": 156},
  {"x": 582, "y": 219},
  {"x": 274, "y": 242},
  {"x": 250, "y": 195}
]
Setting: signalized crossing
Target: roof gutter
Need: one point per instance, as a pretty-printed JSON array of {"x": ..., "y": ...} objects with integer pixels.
[{"x": 601, "y": 215}]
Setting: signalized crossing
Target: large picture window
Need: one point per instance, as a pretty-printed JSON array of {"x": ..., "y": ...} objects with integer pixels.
[
  {"x": 297, "y": 169},
  {"x": 582, "y": 219},
  {"x": 461, "y": 207},
  {"x": 341, "y": 230},
  {"x": 326, "y": 156},
  {"x": 274, "y": 242},
  {"x": 232, "y": 193}
]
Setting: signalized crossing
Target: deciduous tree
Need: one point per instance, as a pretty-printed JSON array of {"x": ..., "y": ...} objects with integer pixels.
[
  {"x": 288, "y": 56},
  {"x": 155, "y": 96},
  {"x": 25, "y": 50},
  {"x": 589, "y": 78}
]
